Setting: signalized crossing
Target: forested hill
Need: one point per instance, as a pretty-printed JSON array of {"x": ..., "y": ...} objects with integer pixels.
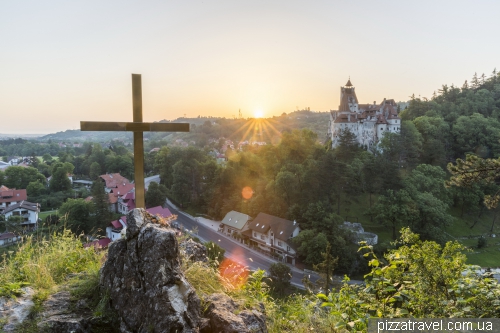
[
  {"x": 457, "y": 121},
  {"x": 207, "y": 128}
]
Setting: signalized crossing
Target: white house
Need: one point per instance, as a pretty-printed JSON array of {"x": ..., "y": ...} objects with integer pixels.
[
  {"x": 368, "y": 122},
  {"x": 273, "y": 234},
  {"x": 28, "y": 211},
  {"x": 234, "y": 222},
  {"x": 8, "y": 238}
]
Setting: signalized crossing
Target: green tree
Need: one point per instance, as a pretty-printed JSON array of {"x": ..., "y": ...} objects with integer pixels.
[
  {"x": 475, "y": 170},
  {"x": 156, "y": 195},
  {"x": 280, "y": 275},
  {"x": 36, "y": 188},
  {"x": 326, "y": 267},
  {"x": 33, "y": 160},
  {"x": 60, "y": 180},
  {"x": 47, "y": 159},
  {"x": 100, "y": 205},
  {"x": 76, "y": 213},
  {"x": 394, "y": 209},
  {"x": 95, "y": 170},
  {"x": 20, "y": 177},
  {"x": 12, "y": 224}
]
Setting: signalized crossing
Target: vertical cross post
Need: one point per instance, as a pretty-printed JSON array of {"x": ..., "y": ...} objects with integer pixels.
[
  {"x": 138, "y": 127},
  {"x": 138, "y": 141}
]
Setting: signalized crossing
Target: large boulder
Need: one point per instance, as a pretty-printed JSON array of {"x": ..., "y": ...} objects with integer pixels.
[
  {"x": 144, "y": 280},
  {"x": 222, "y": 317},
  {"x": 194, "y": 251}
]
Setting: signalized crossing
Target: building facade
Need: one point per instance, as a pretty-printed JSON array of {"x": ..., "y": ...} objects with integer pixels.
[
  {"x": 274, "y": 234},
  {"x": 27, "y": 211},
  {"x": 368, "y": 122}
]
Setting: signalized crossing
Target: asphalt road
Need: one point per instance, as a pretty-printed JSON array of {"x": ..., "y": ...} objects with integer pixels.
[{"x": 235, "y": 251}]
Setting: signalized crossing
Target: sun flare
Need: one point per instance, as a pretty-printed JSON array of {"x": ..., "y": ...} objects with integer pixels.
[{"x": 258, "y": 114}]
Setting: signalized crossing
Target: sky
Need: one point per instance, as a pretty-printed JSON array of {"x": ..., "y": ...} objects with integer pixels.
[{"x": 66, "y": 61}]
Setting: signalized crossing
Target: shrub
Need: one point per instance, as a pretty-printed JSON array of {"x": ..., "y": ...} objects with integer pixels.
[{"x": 481, "y": 242}]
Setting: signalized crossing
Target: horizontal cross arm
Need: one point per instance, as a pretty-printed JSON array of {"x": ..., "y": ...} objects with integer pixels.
[{"x": 133, "y": 127}]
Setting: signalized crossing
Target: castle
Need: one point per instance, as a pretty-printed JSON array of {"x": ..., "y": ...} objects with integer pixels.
[{"x": 368, "y": 122}]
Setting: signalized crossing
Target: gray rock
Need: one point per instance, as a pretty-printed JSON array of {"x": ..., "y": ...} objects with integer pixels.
[
  {"x": 15, "y": 310},
  {"x": 59, "y": 317},
  {"x": 194, "y": 251},
  {"x": 145, "y": 283},
  {"x": 222, "y": 317}
]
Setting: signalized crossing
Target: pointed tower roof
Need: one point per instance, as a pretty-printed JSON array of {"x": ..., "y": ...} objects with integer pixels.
[{"x": 348, "y": 84}]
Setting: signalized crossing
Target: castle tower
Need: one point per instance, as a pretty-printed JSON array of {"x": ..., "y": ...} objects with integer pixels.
[{"x": 348, "y": 99}]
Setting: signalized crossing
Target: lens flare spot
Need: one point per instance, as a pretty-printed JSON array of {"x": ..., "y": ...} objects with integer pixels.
[
  {"x": 247, "y": 192},
  {"x": 234, "y": 270}
]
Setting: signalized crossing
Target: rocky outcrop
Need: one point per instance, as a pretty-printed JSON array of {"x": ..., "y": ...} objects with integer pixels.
[
  {"x": 15, "y": 310},
  {"x": 194, "y": 251},
  {"x": 144, "y": 280},
  {"x": 59, "y": 316},
  {"x": 223, "y": 319}
]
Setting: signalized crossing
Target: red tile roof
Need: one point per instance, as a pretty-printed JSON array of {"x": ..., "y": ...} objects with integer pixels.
[
  {"x": 159, "y": 210},
  {"x": 114, "y": 179},
  {"x": 116, "y": 224},
  {"x": 98, "y": 244},
  {"x": 13, "y": 195}
]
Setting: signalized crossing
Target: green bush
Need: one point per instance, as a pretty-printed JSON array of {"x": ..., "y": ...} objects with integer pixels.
[{"x": 481, "y": 242}]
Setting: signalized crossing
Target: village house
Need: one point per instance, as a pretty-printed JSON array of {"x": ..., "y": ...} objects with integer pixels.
[
  {"x": 28, "y": 211},
  {"x": 113, "y": 180},
  {"x": 273, "y": 234},
  {"x": 126, "y": 202},
  {"x": 117, "y": 227},
  {"x": 10, "y": 197},
  {"x": 8, "y": 238},
  {"x": 82, "y": 183},
  {"x": 368, "y": 122},
  {"x": 117, "y": 187},
  {"x": 234, "y": 223}
]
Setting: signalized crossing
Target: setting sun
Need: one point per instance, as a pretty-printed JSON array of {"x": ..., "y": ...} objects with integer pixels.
[{"x": 258, "y": 114}]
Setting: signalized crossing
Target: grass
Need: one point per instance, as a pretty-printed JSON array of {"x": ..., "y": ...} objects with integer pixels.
[
  {"x": 43, "y": 262},
  {"x": 43, "y": 215}
]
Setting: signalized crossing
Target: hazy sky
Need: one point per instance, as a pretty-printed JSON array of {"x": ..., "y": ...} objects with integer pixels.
[{"x": 66, "y": 61}]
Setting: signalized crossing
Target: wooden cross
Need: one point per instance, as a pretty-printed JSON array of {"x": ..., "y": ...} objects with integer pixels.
[{"x": 138, "y": 127}]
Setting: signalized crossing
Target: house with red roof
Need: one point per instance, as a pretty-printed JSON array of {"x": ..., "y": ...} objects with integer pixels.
[
  {"x": 117, "y": 228},
  {"x": 113, "y": 180},
  {"x": 98, "y": 244},
  {"x": 116, "y": 196},
  {"x": 368, "y": 122},
  {"x": 10, "y": 197}
]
